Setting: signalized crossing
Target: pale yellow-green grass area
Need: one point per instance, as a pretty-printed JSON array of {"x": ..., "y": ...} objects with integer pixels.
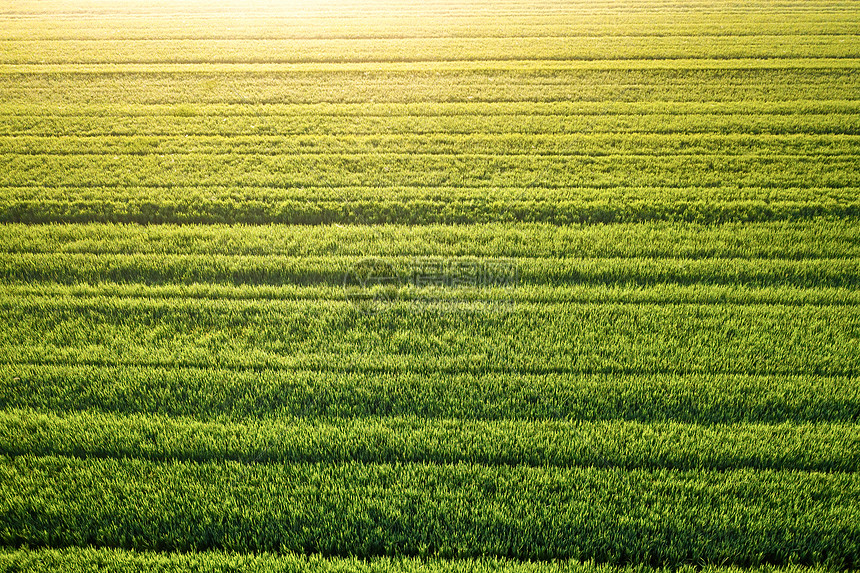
[{"x": 343, "y": 286}]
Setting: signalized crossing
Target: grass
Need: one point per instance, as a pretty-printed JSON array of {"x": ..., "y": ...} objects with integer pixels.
[{"x": 665, "y": 380}]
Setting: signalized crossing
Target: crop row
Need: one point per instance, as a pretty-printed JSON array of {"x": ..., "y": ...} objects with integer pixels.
[
  {"x": 156, "y": 268},
  {"x": 275, "y": 27},
  {"x": 776, "y": 240},
  {"x": 395, "y": 170},
  {"x": 601, "y": 27},
  {"x": 84, "y": 559},
  {"x": 441, "y": 144},
  {"x": 428, "y": 335},
  {"x": 160, "y": 84},
  {"x": 808, "y": 447},
  {"x": 237, "y": 395},
  {"x": 661, "y": 517},
  {"x": 198, "y": 8},
  {"x": 159, "y": 50},
  {"x": 581, "y": 294},
  {"x": 473, "y": 110},
  {"x": 523, "y": 68},
  {"x": 197, "y": 121},
  {"x": 621, "y": 20},
  {"x": 422, "y": 205}
]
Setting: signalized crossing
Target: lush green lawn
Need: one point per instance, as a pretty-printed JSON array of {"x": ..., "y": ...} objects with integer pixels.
[{"x": 511, "y": 286}]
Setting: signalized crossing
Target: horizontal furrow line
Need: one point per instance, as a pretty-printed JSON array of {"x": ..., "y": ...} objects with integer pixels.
[
  {"x": 679, "y": 64},
  {"x": 630, "y": 445},
  {"x": 218, "y": 393},
  {"x": 393, "y": 150},
  {"x": 663, "y": 294},
  {"x": 402, "y": 271},
  {"x": 661, "y": 240},
  {"x": 418, "y": 206},
  {"x": 440, "y": 109},
  {"x": 646, "y": 24},
  {"x": 80, "y": 559},
  {"x": 819, "y": 33},
  {"x": 428, "y": 171},
  {"x": 833, "y": 126},
  {"x": 96, "y": 357},
  {"x": 443, "y": 145},
  {"x": 388, "y": 51}
]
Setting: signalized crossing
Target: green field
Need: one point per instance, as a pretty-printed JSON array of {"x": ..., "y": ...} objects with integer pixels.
[{"x": 523, "y": 287}]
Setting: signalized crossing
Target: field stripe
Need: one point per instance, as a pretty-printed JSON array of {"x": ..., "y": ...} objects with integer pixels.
[
  {"x": 122, "y": 561},
  {"x": 526, "y": 513},
  {"x": 202, "y": 67},
  {"x": 808, "y": 447},
  {"x": 803, "y": 240},
  {"x": 239, "y": 394},
  {"x": 578, "y": 294},
  {"x": 311, "y": 270}
]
